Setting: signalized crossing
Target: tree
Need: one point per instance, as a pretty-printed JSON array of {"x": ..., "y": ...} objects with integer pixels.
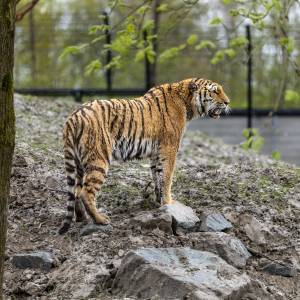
[
  {"x": 7, "y": 116},
  {"x": 8, "y": 16}
]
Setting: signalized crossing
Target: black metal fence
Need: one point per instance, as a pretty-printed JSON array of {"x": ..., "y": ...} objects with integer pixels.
[{"x": 79, "y": 93}]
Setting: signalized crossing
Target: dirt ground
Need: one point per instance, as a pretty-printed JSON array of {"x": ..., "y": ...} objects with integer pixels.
[{"x": 210, "y": 176}]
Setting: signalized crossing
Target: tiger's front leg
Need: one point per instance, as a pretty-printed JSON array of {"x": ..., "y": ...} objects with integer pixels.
[{"x": 163, "y": 174}]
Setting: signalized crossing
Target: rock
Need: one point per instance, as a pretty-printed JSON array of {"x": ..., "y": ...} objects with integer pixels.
[
  {"x": 35, "y": 260},
  {"x": 281, "y": 270},
  {"x": 91, "y": 228},
  {"x": 152, "y": 220},
  {"x": 32, "y": 288},
  {"x": 21, "y": 161},
  {"x": 51, "y": 182},
  {"x": 254, "y": 229},
  {"x": 182, "y": 215},
  {"x": 178, "y": 273},
  {"x": 214, "y": 222},
  {"x": 229, "y": 248}
]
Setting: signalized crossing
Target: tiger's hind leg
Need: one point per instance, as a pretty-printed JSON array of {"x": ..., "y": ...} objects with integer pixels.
[
  {"x": 93, "y": 179},
  {"x": 71, "y": 174},
  {"x": 80, "y": 212}
]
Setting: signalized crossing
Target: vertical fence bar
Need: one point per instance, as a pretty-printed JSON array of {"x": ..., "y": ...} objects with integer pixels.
[
  {"x": 108, "y": 73},
  {"x": 148, "y": 83},
  {"x": 249, "y": 78}
]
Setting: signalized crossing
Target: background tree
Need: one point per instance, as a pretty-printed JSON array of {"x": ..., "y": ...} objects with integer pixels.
[
  {"x": 8, "y": 16},
  {"x": 7, "y": 116}
]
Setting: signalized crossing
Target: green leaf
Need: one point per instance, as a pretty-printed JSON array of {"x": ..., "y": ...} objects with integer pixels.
[
  {"x": 170, "y": 53},
  {"x": 215, "y": 21},
  {"x": 219, "y": 56},
  {"x": 276, "y": 155},
  {"x": 162, "y": 8},
  {"x": 92, "y": 66},
  {"x": 288, "y": 43},
  {"x": 150, "y": 55},
  {"x": 258, "y": 143},
  {"x": 72, "y": 50},
  {"x": 148, "y": 25},
  {"x": 96, "y": 28},
  {"x": 291, "y": 96},
  {"x": 238, "y": 42},
  {"x": 205, "y": 44},
  {"x": 143, "y": 9},
  {"x": 140, "y": 55},
  {"x": 98, "y": 39},
  {"x": 226, "y": 2},
  {"x": 230, "y": 52},
  {"x": 192, "y": 39},
  {"x": 234, "y": 12}
]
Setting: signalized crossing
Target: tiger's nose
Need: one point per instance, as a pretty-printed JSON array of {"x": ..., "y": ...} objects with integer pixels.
[{"x": 226, "y": 102}]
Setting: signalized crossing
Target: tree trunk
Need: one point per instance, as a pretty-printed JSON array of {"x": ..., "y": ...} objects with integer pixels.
[
  {"x": 7, "y": 116},
  {"x": 32, "y": 45},
  {"x": 156, "y": 17}
]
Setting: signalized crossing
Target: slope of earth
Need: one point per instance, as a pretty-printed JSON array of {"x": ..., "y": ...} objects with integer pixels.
[{"x": 210, "y": 177}]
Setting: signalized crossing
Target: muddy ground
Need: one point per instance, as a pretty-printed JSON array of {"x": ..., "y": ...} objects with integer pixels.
[{"x": 210, "y": 176}]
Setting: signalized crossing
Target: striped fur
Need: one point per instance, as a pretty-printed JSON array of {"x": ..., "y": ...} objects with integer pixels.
[{"x": 147, "y": 127}]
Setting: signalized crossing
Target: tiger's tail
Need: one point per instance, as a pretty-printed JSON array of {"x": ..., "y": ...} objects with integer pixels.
[{"x": 70, "y": 167}]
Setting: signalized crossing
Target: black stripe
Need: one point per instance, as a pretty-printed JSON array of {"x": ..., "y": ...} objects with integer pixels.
[
  {"x": 80, "y": 132},
  {"x": 70, "y": 181},
  {"x": 91, "y": 168},
  {"x": 164, "y": 97},
  {"x": 121, "y": 126},
  {"x": 131, "y": 118},
  {"x": 157, "y": 100},
  {"x": 133, "y": 140},
  {"x": 71, "y": 196},
  {"x": 70, "y": 169},
  {"x": 70, "y": 208},
  {"x": 142, "y": 117},
  {"x": 68, "y": 155}
]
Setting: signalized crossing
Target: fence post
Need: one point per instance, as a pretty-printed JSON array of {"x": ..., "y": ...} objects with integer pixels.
[
  {"x": 108, "y": 73},
  {"x": 148, "y": 83},
  {"x": 249, "y": 78}
]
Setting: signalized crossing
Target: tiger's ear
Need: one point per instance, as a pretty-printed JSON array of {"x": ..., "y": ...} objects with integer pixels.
[
  {"x": 219, "y": 89},
  {"x": 193, "y": 87}
]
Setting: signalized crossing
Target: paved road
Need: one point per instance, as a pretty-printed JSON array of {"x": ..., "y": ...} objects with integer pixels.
[{"x": 284, "y": 137}]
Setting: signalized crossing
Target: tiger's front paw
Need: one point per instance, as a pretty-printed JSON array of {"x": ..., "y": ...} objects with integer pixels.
[
  {"x": 102, "y": 219},
  {"x": 168, "y": 201}
]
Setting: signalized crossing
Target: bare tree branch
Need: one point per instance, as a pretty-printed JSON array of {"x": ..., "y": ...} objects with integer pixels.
[{"x": 25, "y": 9}]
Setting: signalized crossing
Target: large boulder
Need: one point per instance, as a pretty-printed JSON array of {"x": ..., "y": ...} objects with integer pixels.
[{"x": 178, "y": 273}]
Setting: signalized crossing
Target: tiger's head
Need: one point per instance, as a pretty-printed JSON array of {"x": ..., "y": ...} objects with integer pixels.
[{"x": 209, "y": 98}]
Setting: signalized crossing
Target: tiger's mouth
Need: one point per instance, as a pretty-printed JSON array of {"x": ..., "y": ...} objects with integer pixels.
[{"x": 215, "y": 113}]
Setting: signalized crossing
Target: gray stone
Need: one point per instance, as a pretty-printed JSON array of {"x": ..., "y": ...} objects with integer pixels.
[
  {"x": 91, "y": 228},
  {"x": 254, "y": 229},
  {"x": 154, "y": 219},
  {"x": 35, "y": 260},
  {"x": 229, "y": 248},
  {"x": 51, "y": 182},
  {"x": 214, "y": 222},
  {"x": 178, "y": 273},
  {"x": 183, "y": 215},
  {"x": 281, "y": 270}
]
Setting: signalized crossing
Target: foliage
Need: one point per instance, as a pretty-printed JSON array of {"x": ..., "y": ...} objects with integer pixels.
[
  {"x": 253, "y": 139},
  {"x": 187, "y": 45}
]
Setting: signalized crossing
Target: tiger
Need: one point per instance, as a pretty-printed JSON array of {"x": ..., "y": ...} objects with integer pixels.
[{"x": 150, "y": 126}]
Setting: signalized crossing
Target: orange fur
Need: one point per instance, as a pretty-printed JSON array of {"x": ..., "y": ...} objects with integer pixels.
[{"x": 146, "y": 127}]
